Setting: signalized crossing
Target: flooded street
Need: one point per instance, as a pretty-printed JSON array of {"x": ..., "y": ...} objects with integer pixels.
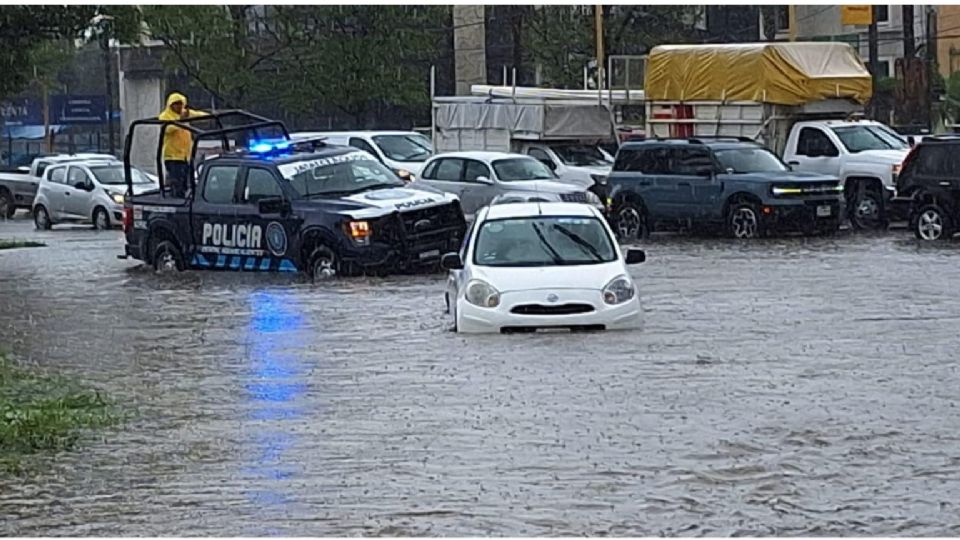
[{"x": 781, "y": 387}]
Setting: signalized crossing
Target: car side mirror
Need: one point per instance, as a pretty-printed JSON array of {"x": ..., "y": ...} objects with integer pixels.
[
  {"x": 636, "y": 256},
  {"x": 484, "y": 180},
  {"x": 911, "y": 140},
  {"x": 83, "y": 186},
  {"x": 273, "y": 205},
  {"x": 451, "y": 261}
]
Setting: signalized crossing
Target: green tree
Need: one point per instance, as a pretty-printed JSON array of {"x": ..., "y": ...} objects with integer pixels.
[{"x": 23, "y": 28}]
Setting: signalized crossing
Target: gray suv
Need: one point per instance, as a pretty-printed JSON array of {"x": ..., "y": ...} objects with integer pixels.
[{"x": 730, "y": 184}]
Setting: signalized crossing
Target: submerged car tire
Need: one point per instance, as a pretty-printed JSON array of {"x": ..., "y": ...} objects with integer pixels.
[
  {"x": 7, "y": 208},
  {"x": 167, "y": 258},
  {"x": 324, "y": 264},
  {"x": 931, "y": 223},
  {"x": 101, "y": 219},
  {"x": 41, "y": 219},
  {"x": 743, "y": 221},
  {"x": 866, "y": 212},
  {"x": 631, "y": 222}
]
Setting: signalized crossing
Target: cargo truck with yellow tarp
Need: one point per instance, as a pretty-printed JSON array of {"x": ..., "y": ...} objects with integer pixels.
[{"x": 802, "y": 100}]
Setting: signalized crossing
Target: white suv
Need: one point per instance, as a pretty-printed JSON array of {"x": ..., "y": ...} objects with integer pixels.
[{"x": 90, "y": 191}]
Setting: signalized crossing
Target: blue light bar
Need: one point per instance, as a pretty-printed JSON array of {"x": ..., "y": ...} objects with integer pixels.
[{"x": 268, "y": 146}]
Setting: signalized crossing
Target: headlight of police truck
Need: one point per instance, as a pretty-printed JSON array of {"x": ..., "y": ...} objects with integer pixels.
[
  {"x": 481, "y": 293},
  {"x": 618, "y": 291}
]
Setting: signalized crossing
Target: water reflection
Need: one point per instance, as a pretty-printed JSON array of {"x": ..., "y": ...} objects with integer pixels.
[{"x": 273, "y": 391}]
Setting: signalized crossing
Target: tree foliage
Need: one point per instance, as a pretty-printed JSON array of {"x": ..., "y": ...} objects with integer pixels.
[{"x": 23, "y": 28}]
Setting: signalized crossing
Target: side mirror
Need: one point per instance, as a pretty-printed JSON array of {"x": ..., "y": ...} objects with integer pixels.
[
  {"x": 911, "y": 140},
  {"x": 484, "y": 180},
  {"x": 273, "y": 205},
  {"x": 636, "y": 256},
  {"x": 451, "y": 261},
  {"x": 83, "y": 186}
]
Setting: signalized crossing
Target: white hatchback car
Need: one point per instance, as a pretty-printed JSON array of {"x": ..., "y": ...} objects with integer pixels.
[
  {"x": 530, "y": 266},
  {"x": 89, "y": 191}
]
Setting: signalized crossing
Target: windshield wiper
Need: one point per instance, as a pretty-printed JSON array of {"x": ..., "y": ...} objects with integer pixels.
[
  {"x": 580, "y": 242},
  {"x": 557, "y": 259}
]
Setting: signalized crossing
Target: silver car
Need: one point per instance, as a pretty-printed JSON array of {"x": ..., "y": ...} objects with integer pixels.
[
  {"x": 86, "y": 192},
  {"x": 479, "y": 177}
]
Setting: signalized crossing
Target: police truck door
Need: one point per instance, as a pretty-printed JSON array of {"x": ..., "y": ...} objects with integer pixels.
[
  {"x": 223, "y": 229},
  {"x": 280, "y": 228}
]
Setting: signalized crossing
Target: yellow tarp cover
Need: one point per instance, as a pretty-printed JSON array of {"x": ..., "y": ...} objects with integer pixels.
[{"x": 784, "y": 73}]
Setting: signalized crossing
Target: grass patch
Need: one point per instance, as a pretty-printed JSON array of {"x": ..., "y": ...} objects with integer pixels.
[
  {"x": 41, "y": 413},
  {"x": 12, "y": 244}
]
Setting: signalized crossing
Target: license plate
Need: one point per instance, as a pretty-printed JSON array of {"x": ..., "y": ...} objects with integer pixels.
[
  {"x": 824, "y": 211},
  {"x": 433, "y": 253}
]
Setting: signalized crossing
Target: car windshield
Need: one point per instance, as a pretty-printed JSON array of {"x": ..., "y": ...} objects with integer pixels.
[
  {"x": 338, "y": 175},
  {"x": 520, "y": 169},
  {"x": 581, "y": 155},
  {"x": 413, "y": 147},
  {"x": 112, "y": 175},
  {"x": 869, "y": 137},
  {"x": 749, "y": 160},
  {"x": 543, "y": 241}
]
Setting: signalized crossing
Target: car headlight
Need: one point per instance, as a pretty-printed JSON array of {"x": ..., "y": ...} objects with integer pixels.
[
  {"x": 481, "y": 293},
  {"x": 618, "y": 291},
  {"x": 115, "y": 197}
]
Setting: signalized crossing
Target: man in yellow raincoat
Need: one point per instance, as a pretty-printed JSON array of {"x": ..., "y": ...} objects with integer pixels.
[{"x": 177, "y": 143}]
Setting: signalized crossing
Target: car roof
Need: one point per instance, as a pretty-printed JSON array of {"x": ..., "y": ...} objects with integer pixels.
[
  {"x": 77, "y": 157},
  {"x": 89, "y": 162},
  {"x": 717, "y": 143},
  {"x": 525, "y": 209},
  {"x": 480, "y": 156}
]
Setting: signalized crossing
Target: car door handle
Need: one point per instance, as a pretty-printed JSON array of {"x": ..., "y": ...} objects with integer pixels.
[
  {"x": 67, "y": 193},
  {"x": 793, "y": 163}
]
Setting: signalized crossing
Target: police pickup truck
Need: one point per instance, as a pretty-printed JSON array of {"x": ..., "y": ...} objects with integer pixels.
[{"x": 282, "y": 205}]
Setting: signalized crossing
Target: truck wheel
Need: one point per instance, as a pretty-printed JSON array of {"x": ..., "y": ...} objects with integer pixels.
[
  {"x": 631, "y": 222},
  {"x": 41, "y": 219},
  {"x": 324, "y": 264},
  {"x": 743, "y": 220},
  {"x": 101, "y": 220},
  {"x": 167, "y": 258},
  {"x": 7, "y": 208},
  {"x": 931, "y": 223},
  {"x": 866, "y": 212}
]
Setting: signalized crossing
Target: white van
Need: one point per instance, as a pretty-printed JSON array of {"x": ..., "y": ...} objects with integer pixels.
[{"x": 404, "y": 152}]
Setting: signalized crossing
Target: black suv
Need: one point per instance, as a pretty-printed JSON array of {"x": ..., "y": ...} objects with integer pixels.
[
  {"x": 930, "y": 179},
  {"x": 730, "y": 183}
]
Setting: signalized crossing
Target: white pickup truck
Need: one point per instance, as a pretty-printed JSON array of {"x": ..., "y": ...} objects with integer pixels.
[
  {"x": 801, "y": 100},
  {"x": 18, "y": 189}
]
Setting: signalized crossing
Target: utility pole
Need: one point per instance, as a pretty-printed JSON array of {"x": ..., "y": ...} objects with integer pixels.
[
  {"x": 931, "y": 50},
  {"x": 108, "y": 80},
  {"x": 874, "y": 57},
  {"x": 598, "y": 17},
  {"x": 909, "y": 44},
  {"x": 792, "y": 21}
]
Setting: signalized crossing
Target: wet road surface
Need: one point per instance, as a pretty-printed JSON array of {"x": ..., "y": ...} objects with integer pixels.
[{"x": 781, "y": 387}]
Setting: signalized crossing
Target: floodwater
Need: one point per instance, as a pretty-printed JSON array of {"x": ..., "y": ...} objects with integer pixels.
[{"x": 781, "y": 387}]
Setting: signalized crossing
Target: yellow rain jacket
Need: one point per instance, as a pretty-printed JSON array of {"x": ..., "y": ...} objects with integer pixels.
[{"x": 177, "y": 142}]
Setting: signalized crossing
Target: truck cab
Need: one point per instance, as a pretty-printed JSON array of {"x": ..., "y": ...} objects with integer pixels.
[
  {"x": 285, "y": 205},
  {"x": 578, "y": 163}
]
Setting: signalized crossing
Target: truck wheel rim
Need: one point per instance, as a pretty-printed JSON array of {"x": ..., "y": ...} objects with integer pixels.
[
  {"x": 323, "y": 269},
  {"x": 166, "y": 262},
  {"x": 628, "y": 222},
  {"x": 744, "y": 222},
  {"x": 868, "y": 211},
  {"x": 930, "y": 225}
]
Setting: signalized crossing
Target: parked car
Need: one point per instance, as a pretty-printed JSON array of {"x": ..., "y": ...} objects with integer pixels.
[
  {"x": 478, "y": 177},
  {"x": 737, "y": 186},
  {"x": 402, "y": 151},
  {"x": 574, "y": 162},
  {"x": 89, "y": 191},
  {"x": 530, "y": 266},
  {"x": 930, "y": 180},
  {"x": 19, "y": 189}
]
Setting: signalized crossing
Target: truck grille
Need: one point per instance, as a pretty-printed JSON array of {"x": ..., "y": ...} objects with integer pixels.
[
  {"x": 433, "y": 219},
  {"x": 563, "y": 309}
]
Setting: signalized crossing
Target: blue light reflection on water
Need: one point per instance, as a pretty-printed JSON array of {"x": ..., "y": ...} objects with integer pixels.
[{"x": 274, "y": 389}]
